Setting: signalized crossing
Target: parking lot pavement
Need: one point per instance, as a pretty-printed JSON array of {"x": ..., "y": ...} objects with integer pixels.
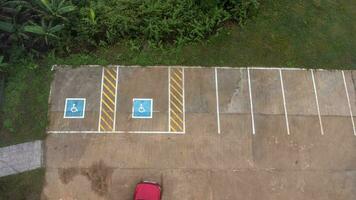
[
  {"x": 78, "y": 82},
  {"x": 203, "y": 133}
]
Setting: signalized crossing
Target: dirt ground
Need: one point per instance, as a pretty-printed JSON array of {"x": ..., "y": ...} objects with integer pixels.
[{"x": 246, "y": 133}]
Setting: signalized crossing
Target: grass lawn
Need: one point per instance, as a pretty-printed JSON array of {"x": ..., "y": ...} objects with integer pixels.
[
  {"x": 26, "y": 185},
  {"x": 25, "y": 109},
  {"x": 300, "y": 33}
]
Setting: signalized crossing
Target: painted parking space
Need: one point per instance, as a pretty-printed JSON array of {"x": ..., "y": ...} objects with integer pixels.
[
  {"x": 81, "y": 87},
  {"x": 150, "y": 87}
]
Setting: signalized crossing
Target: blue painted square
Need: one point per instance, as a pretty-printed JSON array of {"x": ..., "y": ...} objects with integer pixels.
[
  {"x": 74, "y": 108},
  {"x": 142, "y": 108}
]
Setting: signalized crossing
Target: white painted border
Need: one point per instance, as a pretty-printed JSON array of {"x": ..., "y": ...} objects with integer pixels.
[
  {"x": 115, "y": 132},
  {"x": 117, "y": 80},
  {"x": 317, "y": 103},
  {"x": 284, "y": 101},
  {"x": 74, "y": 117},
  {"x": 183, "y": 100},
  {"x": 142, "y": 117},
  {"x": 217, "y": 99},
  {"x": 169, "y": 99},
  {"x": 348, "y": 101},
  {"x": 251, "y": 102},
  {"x": 101, "y": 97},
  {"x": 206, "y": 67}
]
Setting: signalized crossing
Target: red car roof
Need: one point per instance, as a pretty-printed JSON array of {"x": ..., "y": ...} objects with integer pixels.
[{"x": 147, "y": 191}]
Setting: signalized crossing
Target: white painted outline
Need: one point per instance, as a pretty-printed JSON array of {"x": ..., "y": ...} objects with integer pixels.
[
  {"x": 117, "y": 80},
  {"x": 317, "y": 103},
  {"x": 101, "y": 97},
  {"x": 115, "y": 132},
  {"x": 348, "y": 101},
  {"x": 142, "y": 117},
  {"x": 251, "y": 102},
  {"x": 183, "y": 100},
  {"x": 217, "y": 99},
  {"x": 74, "y": 117},
  {"x": 284, "y": 101},
  {"x": 169, "y": 99}
]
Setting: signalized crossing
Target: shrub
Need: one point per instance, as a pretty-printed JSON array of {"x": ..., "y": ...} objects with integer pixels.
[
  {"x": 39, "y": 25},
  {"x": 157, "y": 21}
]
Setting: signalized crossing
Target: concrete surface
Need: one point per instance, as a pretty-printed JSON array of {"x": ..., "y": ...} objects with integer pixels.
[
  {"x": 20, "y": 158},
  {"x": 218, "y": 155}
]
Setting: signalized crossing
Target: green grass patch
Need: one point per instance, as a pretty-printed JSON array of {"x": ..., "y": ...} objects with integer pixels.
[
  {"x": 24, "y": 113},
  {"x": 303, "y": 33},
  {"x": 27, "y": 185}
]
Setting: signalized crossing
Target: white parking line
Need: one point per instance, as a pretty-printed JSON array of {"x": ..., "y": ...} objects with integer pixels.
[
  {"x": 317, "y": 103},
  {"x": 112, "y": 132},
  {"x": 348, "y": 101},
  {"x": 284, "y": 101},
  {"x": 117, "y": 80},
  {"x": 169, "y": 99},
  {"x": 183, "y": 101},
  {"x": 251, "y": 103},
  {"x": 101, "y": 96},
  {"x": 217, "y": 99}
]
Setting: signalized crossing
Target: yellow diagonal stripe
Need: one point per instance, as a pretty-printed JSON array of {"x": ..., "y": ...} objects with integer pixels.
[
  {"x": 102, "y": 127},
  {"x": 112, "y": 76},
  {"x": 178, "y": 85},
  {"x": 177, "y": 92},
  {"x": 176, "y": 75},
  {"x": 107, "y": 105},
  {"x": 107, "y": 124},
  {"x": 180, "y": 71},
  {"x": 173, "y": 129},
  {"x": 107, "y": 88},
  {"x": 176, "y": 124},
  {"x": 109, "y": 98},
  {"x": 178, "y": 117},
  {"x": 176, "y": 98},
  {"x": 109, "y": 82},
  {"x": 176, "y": 106},
  {"x": 107, "y": 114}
]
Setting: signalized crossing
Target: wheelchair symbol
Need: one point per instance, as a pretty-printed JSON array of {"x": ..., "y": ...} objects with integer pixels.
[
  {"x": 74, "y": 109},
  {"x": 141, "y": 109}
]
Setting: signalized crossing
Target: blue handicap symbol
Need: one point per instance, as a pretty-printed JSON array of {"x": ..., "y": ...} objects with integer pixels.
[
  {"x": 142, "y": 108},
  {"x": 74, "y": 108}
]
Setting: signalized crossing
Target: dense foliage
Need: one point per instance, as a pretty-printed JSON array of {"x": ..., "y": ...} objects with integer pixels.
[{"x": 35, "y": 26}]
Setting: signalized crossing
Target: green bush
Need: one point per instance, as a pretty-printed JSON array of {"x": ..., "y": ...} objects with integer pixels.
[
  {"x": 37, "y": 26},
  {"x": 157, "y": 21}
]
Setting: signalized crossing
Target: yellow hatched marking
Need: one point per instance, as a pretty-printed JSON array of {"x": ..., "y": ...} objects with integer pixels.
[
  {"x": 178, "y": 85},
  {"x": 177, "y": 92},
  {"x": 102, "y": 127},
  {"x": 107, "y": 105},
  {"x": 112, "y": 75},
  {"x": 172, "y": 128},
  {"x": 178, "y": 117},
  {"x": 106, "y": 123},
  {"x": 107, "y": 114},
  {"x": 176, "y": 124},
  {"x": 107, "y": 88},
  {"x": 176, "y": 106},
  {"x": 176, "y": 75},
  {"x": 109, "y": 98},
  {"x": 109, "y": 81},
  {"x": 176, "y": 98},
  {"x": 176, "y": 103}
]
